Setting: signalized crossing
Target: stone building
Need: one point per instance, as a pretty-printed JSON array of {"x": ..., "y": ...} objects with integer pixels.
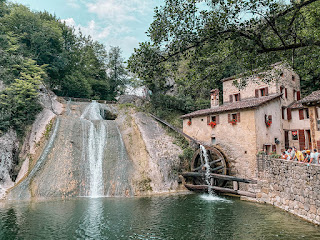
[
  {"x": 312, "y": 105},
  {"x": 263, "y": 115}
]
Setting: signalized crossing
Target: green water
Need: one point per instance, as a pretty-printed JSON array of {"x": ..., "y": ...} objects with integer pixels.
[{"x": 165, "y": 217}]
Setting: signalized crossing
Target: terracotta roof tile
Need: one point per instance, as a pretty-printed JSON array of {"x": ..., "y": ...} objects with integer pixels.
[
  {"x": 296, "y": 105},
  {"x": 248, "y": 103},
  {"x": 313, "y": 97}
]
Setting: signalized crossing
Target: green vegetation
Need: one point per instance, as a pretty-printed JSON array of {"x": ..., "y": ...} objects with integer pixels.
[
  {"x": 197, "y": 43},
  {"x": 144, "y": 184},
  {"x": 37, "y": 49},
  {"x": 49, "y": 126}
]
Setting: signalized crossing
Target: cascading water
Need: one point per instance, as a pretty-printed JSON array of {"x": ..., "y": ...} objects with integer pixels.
[
  {"x": 207, "y": 167},
  {"x": 94, "y": 141},
  {"x": 22, "y": 191},
  {"x": 85, "y": 156}
]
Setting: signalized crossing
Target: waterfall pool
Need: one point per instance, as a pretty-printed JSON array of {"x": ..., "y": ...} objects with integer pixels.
[{"x": 190, "y": 216}]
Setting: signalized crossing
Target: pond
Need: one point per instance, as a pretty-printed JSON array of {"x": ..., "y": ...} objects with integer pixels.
[{"x": 189, "y": 216}]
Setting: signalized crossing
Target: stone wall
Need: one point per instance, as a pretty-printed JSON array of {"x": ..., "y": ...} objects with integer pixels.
[
  {"x": 290, "y": 185},
  {"x": 255, "y": 82}
]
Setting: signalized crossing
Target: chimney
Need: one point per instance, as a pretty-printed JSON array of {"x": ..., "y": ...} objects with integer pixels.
[{"x": 214, "y": 98}]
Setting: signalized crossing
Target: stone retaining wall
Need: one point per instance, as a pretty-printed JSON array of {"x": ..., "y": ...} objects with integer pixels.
[{"x": 290, "y": 185}]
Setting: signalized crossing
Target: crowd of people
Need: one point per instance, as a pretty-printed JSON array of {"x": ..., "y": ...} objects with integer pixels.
[{"x": 307, "y": 156}]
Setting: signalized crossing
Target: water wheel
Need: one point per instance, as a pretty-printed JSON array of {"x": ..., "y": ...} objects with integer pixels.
[{"x": 217, "y": 162}]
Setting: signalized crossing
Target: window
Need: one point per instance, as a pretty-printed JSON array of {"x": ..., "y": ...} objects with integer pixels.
[
  {"x": 234, "y": 118},
  {"x": 281, "y": 89},
  {"x": 283, "y": 112},
  {"x": 293, "y": 78},
  {"x": 237, "y": 97},
  {"x": 301, "y": 115},
  {"x": 294, "y": 135},
  {"x": 307, "y": 113},
  {"x": 296, "y": 95},
  {"x": 284, "y": 92},
  {"x": 268, "y": 120},
  {"x": 261, "y": 92},
  {"x": 212, "y": 119},
  {"x": 213, "y": 140}
]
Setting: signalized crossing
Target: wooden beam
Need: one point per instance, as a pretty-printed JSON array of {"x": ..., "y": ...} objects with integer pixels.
[
  {"x": 219, "y": 176},
  {"x": 219, "y": 189}
]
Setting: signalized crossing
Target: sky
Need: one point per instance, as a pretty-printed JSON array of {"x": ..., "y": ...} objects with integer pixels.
[{"x": 120, "y": 23}]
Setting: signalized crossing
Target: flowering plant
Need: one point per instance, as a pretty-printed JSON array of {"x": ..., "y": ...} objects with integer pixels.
[
  {"x": 268, "y": 123},
  {"x": 234, "y": 121},
  {"x": 212, "y": 124},
  {"x": 189, "y": 123}
]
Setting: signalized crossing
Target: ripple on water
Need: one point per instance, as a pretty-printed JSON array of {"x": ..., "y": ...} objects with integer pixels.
[{"x": 214, "y": 198}]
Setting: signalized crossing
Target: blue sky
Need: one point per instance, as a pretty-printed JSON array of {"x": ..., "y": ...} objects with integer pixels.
[{"x": 120, "y": 23}]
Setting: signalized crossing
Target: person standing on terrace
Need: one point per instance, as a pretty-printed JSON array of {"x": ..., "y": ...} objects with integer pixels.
[
  {"x": 314, "y": 158},
  {"x": 299, "y": 155}
]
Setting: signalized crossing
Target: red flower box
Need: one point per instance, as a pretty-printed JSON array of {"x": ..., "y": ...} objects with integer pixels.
[
  {"x": 212, "y": 124},
  {"x": 268, "y": 123}
]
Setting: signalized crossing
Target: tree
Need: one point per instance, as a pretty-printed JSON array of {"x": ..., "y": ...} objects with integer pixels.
[
  {"x": 19, "y": 101},
  {"x": 202, "y": 45},
  {"x": 116, "y": 71}
]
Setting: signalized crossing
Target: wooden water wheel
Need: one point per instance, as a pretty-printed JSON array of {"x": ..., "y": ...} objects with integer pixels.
[{"x": 217, "y": 162}]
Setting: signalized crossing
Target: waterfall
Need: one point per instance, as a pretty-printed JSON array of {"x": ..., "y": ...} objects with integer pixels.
[
  {"x": 94, "y": 141},
  {"x": 207, "y": 167}
]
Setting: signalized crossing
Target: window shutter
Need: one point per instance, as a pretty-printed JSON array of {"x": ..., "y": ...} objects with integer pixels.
[
  {"x": 208, "y": 120},
  {"x": 238, "y": 117},
  {"x": 239, "y": 97},
  {"x": 267, "y": 91},
  {"x": 257, "y": 93},
  {"x": 289, "y": 113},
  {"x": 298, "y": 95},
  {"x": 230, "y": 98},
  {"x": 217, "y": 119},
  {"x": 318, "y": 146},
  {"x": 301, "y": 116},
  {"x": 286, "y": 92},
  {"x": 229, "y": 118}
]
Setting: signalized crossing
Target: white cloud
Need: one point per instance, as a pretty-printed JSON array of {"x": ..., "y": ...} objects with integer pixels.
[
  {"x": 120, "y": 10},
  {"x": 92, "y": 29},
  {"x": 73, "y": 3}
]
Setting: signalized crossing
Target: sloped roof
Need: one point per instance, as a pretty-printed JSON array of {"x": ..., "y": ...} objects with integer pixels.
[
  {"x": 314, "y": 97},
  {"x": 296, "y": 105},
  {"x": 247, "y": 103}
]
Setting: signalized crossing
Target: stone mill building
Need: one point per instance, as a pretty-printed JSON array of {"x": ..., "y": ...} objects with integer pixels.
[{"x": 262, "y": 116}]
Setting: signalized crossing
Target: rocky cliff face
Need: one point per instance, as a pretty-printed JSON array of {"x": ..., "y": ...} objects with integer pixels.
[
  {"x": 139, "y": 161},
  {"x": 15, "y": 159},
  {"x": 9, "y": 148},
  {"x": 152, "y": 152}
]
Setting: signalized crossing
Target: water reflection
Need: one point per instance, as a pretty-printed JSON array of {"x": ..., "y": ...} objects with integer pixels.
[
  {"x": 92, "y": 221},
  {"x": 164, "y": 217}
]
